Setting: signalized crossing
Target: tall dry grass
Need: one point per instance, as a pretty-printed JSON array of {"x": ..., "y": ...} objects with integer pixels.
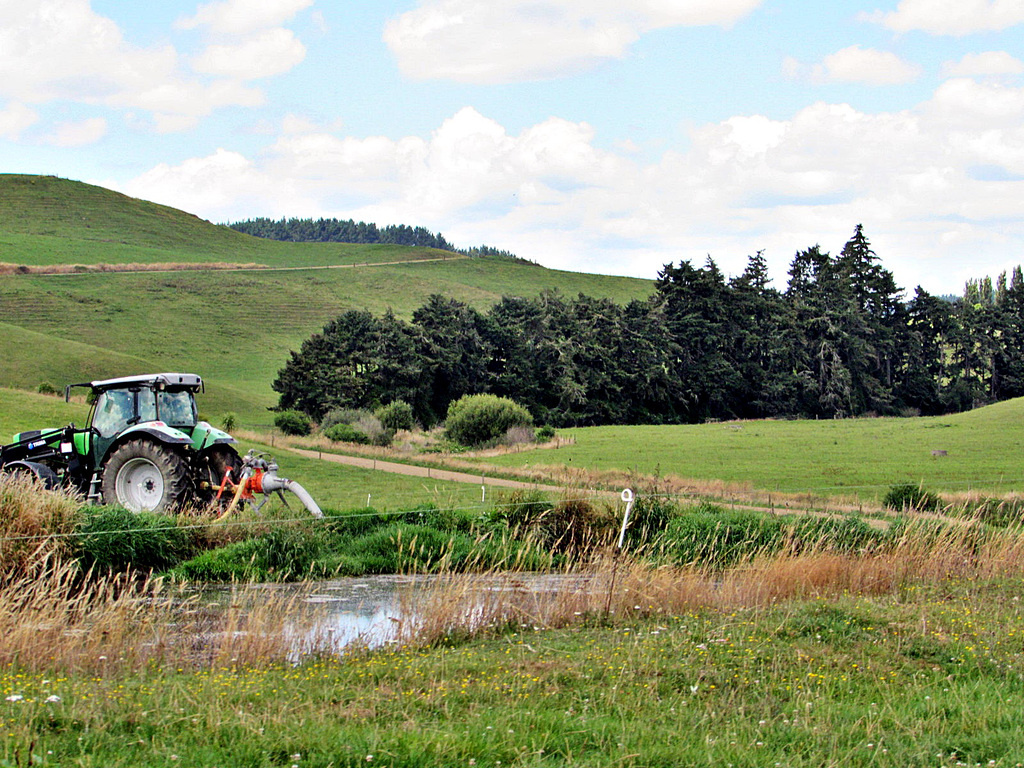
[
  {"x": 34, "y": 523},
  {"x": 54, "y": 619},
  {"x": 616, "y": 589},
  {"x": 160, "y": 266}
]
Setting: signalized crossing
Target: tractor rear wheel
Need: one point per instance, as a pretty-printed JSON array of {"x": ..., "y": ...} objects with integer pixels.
[{"x": 145, "y": 477}]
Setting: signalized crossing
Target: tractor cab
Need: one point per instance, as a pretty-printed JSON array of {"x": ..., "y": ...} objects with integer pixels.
[{"x": 162, "y": 403}]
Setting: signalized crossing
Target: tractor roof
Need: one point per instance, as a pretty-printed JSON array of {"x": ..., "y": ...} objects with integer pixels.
[{"x": 157, "y": 380}]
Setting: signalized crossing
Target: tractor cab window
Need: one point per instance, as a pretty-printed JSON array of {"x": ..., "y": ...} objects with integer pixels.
[
  {"x": 177, "y": 408},
  {"x": 147, "y": 405},
  {"x": 114, "y": 408}
]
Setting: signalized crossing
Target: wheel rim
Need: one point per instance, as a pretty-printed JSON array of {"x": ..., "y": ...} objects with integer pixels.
[{"x": 139, "y": 485}]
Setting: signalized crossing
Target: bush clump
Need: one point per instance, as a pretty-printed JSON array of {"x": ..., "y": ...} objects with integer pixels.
[
  {"x": 909, "y": 496},
  {"x": 568, "y": 525},
  {"x": 363, "y": 422},
  {"x": 475, "y": 420},
  {"x": 293, "y": 423},
  {"x": 650, "y": 517},
  {"x": 346, "y": 433},
  {"x": 396, "y": 415}
]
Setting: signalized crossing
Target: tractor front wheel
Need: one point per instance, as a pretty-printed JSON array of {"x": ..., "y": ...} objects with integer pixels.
[{"x": 145, "y": 477}]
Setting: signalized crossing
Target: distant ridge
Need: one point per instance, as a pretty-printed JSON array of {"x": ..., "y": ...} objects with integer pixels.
[{"x": 294, "y": 230}]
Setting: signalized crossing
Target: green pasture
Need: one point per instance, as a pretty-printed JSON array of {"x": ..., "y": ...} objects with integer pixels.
[
  {"x": 341, "y": 487},
  {"x": 858, "y": 457}
]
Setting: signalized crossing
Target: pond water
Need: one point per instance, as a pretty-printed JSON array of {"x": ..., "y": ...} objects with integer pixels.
[{"x": 371, "y": 610}]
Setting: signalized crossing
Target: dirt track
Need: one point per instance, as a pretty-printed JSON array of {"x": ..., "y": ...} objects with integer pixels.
[{"x": 430, "y": 472}]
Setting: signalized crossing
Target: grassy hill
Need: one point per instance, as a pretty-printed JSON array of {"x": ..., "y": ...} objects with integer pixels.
[{"x": 235, "y": 327}]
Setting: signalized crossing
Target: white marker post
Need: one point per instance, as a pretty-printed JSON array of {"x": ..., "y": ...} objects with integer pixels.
[{"x": 627, "y": 496}]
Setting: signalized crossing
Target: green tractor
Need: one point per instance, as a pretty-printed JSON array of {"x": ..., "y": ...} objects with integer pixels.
[{"x": 145, "y": 448}]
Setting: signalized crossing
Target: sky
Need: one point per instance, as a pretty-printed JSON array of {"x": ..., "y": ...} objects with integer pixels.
[{"x": 591, "y": 135}]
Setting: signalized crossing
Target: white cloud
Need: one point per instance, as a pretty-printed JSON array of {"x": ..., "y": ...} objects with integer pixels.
[
  {"x": 242, "y": 17},
  {"x": 509, "y": 40},
  {"x": 271, "y": 52},
  {"x": 987, "y": 63},
  {"x": 79, "y": 134},
  {"x": 854, "y": 65},
  {"x": 16, "y": 118},
  {"x": 61, "y": 50},
  {"x": 951, "y": 17},
  {"x": 214, "y": 184},
  {"x": 965, "y": 103},
  {"x": 866, "y": 65}
]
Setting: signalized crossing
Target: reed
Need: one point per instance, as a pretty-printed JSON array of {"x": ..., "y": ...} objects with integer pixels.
[
  {"x": 56, "y": 618},
  {"x": 609, "y": 588},
  {"x": 33, "y": 523}
]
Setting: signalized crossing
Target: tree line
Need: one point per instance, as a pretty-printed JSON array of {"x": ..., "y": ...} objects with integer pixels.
[
  {"x": 840, "y": 340},
  {"x": 350, "y": 231}
]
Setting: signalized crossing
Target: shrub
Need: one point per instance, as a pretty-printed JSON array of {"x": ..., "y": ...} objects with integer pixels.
[
  {"x": 909, "y": 496},
  {"x": 649, "y": 517},
  {"x": 46, "y": 388},
  {"x": 519, "y": 509},
  {"x": 396, "y": 415},
  {"x": 228, "y": 421},
  {"x": 475, "y": 420},
  {"x": 342, "y": 416},
  {"x": 293, "y": 423},
  {"x": 115, "y": 539},
  {"x": 345, "y": 433},
  {"x": 545, "y": 434},
  {"x": 362, "y": 421},
  {"x": 568, "y": 525}
]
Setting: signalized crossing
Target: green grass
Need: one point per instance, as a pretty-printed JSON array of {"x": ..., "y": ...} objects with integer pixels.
[
  {"x": 341, "y": 487},
  {"x": 859, "y": 457},
  {"x": 20, "y": 411},
  {"x": 926, "y": 679}
]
